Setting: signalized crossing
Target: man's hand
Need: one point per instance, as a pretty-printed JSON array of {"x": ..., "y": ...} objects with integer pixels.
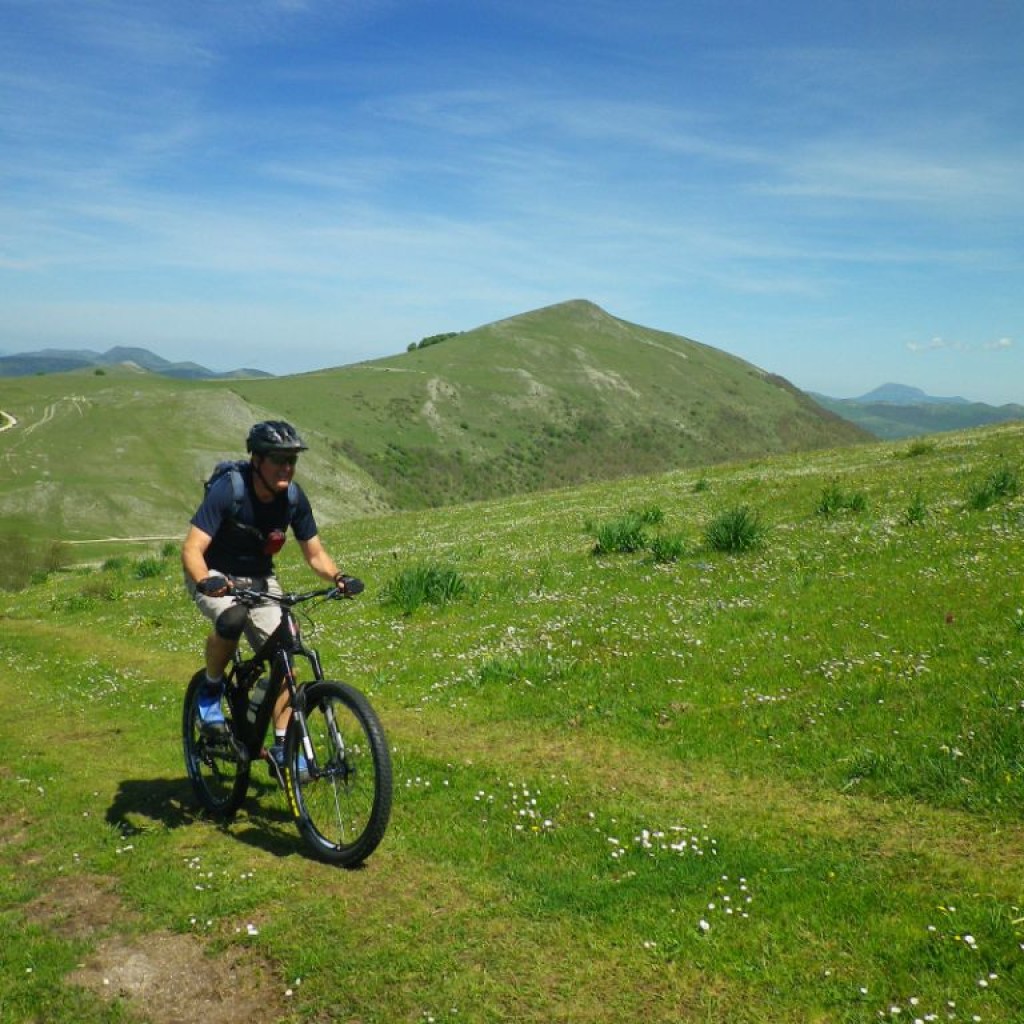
[
  {"x": 348, "y": 586},
  {"x": 213, "y": 586}
]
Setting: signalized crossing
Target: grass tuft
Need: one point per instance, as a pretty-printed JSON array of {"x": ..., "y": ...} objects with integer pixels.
[
  {"x": 621, "y": 536},
  {"x": 995, "y": 486},
  {"x": 666, "y": 548},
  {"x": 916, "y": 511},
  {"x": 736, "y": 530},
  {"x": 834, "y": 501},
  {"x": 423, "y": 584}
]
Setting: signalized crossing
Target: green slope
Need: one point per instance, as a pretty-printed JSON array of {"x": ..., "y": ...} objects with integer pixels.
[
  {"x": 124, "y": 454},
  {"x": 560, "y": 396}
]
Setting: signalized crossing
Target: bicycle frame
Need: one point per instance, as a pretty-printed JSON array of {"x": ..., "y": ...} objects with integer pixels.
[
  {"x": 336, "y": 766},
  {"x": 277, "y": 654}
]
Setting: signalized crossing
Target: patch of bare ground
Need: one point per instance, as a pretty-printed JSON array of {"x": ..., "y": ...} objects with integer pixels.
[{"x": 160, "y": 977}]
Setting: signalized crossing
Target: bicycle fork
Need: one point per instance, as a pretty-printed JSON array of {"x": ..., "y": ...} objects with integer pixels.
[{"x": 297, "y": 701}]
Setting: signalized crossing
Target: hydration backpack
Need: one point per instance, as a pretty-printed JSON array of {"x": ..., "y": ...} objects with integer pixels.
[{"x": 234, "y": 469}]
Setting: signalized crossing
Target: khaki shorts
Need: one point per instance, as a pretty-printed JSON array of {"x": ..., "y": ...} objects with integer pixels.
[{"x": 263, "y": 619}]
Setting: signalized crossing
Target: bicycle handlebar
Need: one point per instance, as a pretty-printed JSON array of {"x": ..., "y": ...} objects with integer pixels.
[{"x": 353, "y": 586}]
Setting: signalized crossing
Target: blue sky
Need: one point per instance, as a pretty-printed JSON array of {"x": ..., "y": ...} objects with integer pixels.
[{"x": 831, "y": 190}]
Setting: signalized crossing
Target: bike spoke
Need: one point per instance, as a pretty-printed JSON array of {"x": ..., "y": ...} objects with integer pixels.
[
  {"x": 345, "y": 801},
  {"x": 219, "y": 774}
]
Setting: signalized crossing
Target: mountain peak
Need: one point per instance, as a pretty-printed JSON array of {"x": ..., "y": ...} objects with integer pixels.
[{"x": 903, "y": 394}]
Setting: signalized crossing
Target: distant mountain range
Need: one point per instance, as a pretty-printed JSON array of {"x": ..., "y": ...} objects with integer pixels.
[
  {"x": 889, "y": 412},
  {"x": 53, "y": 360},
  {"x": 902, "y": 394},
  {"x": 894, "y": 411}
]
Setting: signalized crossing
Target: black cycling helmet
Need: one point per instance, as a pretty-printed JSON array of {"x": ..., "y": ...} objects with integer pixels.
[{"x": 274, "y": 436}]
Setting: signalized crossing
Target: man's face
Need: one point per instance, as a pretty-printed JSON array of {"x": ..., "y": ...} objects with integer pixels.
[{"x": 277, "y": 470}]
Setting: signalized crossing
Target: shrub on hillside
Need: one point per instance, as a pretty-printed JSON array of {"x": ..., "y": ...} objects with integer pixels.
[
  {"x": 433, "y": 339},
  {"x": 423, "y": 584},
  {"x": 649, "y": 515},
  {"x": 627, "y": 533},
  {"x": 915, "y": 449},
  {"x": 620, "y": 536},
  {"x": 1000, "y": 483},
  {"x": 834, "y": 501},
  {"x": 148, "y": 568},
  {"x": 735, "y": 530},
  {"x": 666, "y": 548}
]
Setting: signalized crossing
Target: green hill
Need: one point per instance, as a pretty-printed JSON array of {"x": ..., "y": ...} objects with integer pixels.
[
  {"x": 559, "y": 396},
  {"x": 124, "y": 454},
  {"x": 774, "y": 787}
]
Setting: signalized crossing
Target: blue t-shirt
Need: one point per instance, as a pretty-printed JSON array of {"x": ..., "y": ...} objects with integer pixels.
[{"x": 238, "y": 541}]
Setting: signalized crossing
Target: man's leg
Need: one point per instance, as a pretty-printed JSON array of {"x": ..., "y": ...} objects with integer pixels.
[
  {"x": 228, "y": 620},
  {"x": 219, "y": 651}
]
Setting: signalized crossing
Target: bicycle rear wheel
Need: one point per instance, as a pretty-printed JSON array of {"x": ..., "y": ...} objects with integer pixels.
[
  {"x": 218, "y": 771},
  {"x": 342, "y": 797}
]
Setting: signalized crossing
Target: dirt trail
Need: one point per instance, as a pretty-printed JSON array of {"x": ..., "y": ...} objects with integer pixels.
[{"x": 162, "y": 977}]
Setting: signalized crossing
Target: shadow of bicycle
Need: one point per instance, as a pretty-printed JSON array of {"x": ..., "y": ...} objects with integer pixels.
[{"x": 142, "y": 805}]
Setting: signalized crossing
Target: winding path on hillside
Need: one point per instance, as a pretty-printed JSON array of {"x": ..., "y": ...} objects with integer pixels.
[
  {"x": 7, "y": 421},
  {"x": 122, "y": 540}
]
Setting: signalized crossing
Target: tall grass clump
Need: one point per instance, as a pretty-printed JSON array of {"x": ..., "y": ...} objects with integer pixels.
[
  {"x": 423, "y": 584},
  {"x": 666, "y": 548},
  {"x": 916, "y": 511},
  {"x": 149, "y": 568},
  {"x": 628, "y": 533},
  {"x": 625, "y": 534},
  {"x": 1001, "y": 483},
  {"x": 915, "y": 449},
  {"x": 834, "y": 501},
  {"x": 736, "y": 530}
]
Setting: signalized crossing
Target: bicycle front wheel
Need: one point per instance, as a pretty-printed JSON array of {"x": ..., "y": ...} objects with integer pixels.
[
  {"x": 341, "y": 795},
  {"x": 217, "y": 768}
]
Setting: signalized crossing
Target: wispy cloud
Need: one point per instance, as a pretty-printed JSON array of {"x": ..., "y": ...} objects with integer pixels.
[
  {"x": 945, "y": 345},
  {"x": 782, "y": 185}
]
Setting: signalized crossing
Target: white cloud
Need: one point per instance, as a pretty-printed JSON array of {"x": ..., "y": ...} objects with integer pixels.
[
  {"x": 935, "y": 345},
  {"x": 944, "y": 345}
]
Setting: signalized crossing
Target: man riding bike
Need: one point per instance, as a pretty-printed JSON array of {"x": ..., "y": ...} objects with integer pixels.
[{"x": 234, "y": 534}]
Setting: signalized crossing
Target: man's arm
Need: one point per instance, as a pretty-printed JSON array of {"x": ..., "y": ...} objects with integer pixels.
[
  {"x": 318, "y": 559},
  {"x": 193, "y": 554}
]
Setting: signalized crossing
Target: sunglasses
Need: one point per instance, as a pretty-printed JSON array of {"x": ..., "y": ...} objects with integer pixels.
[{"x": 282, "y": 460}]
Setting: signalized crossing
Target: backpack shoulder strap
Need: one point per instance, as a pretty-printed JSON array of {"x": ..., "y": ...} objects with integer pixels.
[{"x": 237, "y": 488}]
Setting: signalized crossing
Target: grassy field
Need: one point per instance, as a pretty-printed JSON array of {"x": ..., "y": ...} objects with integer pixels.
[{"x": 778, "y": 785}]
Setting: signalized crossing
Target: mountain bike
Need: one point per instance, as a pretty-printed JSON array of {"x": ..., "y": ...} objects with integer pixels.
[{"x": 337, "y": 766}]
